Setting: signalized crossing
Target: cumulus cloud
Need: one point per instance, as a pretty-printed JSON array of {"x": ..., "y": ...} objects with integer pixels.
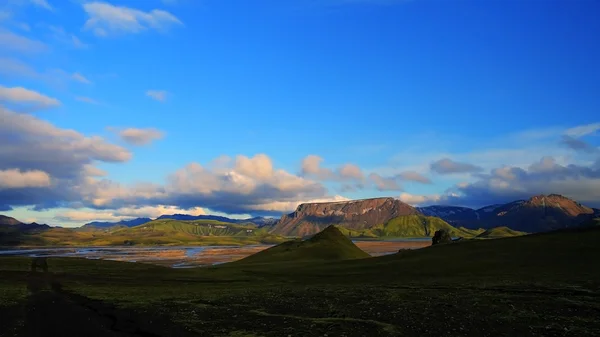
[
  {"x": 385, "y": 183},
  {"x": 80, "y": 78},
  {"x": 578, "y": 144},
  {"x": 248, "y": 185},
  {"x": 350, "y": 171},
  {"x": 449, "y": 166},
  {"x": 311, "y": 167},
  {"x": 582, "y": 130},
  {"x": 21, "y": 95},
  {"x": 125, "y": 213},
  {"x": 414, "y": 176},
  {"x": 106, "y": 19},
  {"x": 18, "y": 43},
  {"x": 508, "y": 183},
  {"x": 157, "y": 95},
  {"x": 139, "y": 137},
  {"x": 31, "y": 144},
  {"x": 258, "y": 167},
  {"x": 244, "y": 185},
  {"x": 416, "y": 200},
  {"x": 15, "y": 178}
]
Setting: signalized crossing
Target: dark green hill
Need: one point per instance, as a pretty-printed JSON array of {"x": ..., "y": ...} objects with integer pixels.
[
  {"x": 329, "y": 244},
  {"x": 411, "y": 226},
  {"x": 499, "y": 232},
  {"x": 591, "y": 222}
]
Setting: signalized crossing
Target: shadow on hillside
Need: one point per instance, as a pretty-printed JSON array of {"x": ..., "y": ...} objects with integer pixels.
[{"x": 50, "y": 310}]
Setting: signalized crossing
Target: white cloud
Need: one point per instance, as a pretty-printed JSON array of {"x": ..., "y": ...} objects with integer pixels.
[
  {"x": 416, "y": 200},
  {"x": 18, "y": 43},
  {"x": 125, "y": 213},
  {"x": 13, "y": 67},
  {"x": 22, "y": 95},
  {"x": 311, "y": 167},
  {"x": 259, "y": 167},
  {"x": 249, "y": 185},
  {"x": 385, "y": 183},
  {"x": 59, "y": 34},
  {"x": 449, "y": 166},
  {"x": 29, "y": 143},
  {"x": 350, "y": 171},
  {"x": 106, "y": 19},
  {"x": 414, "y": 176},
  {"x": 159, "y": 95},
  {"x": 42, "y": 3},
  {"x": 80, "y": 78},
  {"x": 136, "y": 136},
  {"x": 15, "y": 178},
  {"x": 582, "y": 130}
]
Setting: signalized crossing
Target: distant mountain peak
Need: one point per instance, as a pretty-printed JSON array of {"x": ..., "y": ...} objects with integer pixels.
[{"x": 7, "y": 220}]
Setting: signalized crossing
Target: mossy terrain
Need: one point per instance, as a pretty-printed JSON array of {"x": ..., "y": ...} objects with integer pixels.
[
  {"x": 533, "y": 285},
  {"x": 411, "y": 226},
  {"x": 499, "y": 232},
  {"x": 329, "y": 244},
  {"x": 159, "y": 232}
]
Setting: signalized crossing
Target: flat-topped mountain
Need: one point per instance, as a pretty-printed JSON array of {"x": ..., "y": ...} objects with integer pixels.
[{"x": 311, "y": 218}]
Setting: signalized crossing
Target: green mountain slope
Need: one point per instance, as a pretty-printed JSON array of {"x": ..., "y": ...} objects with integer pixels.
[
  {"x": 410, "y": 226},
  {"x": 158, "y": 232},
  {"x": 195, "y": 227},
  {"x": 329, "y": 244},
  {"x": 500, "y": 232}
]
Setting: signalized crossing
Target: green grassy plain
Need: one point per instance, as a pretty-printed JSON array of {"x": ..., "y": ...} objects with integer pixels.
[{"x": 534, "y": 285}]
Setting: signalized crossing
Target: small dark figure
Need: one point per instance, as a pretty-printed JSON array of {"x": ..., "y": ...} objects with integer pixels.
[
  {"x": 39, "y": 262},
  {"x": 441, "y": 236}
]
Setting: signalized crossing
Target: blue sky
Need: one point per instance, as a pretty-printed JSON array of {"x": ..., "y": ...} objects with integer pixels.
[{"x": 456, "y": 102}]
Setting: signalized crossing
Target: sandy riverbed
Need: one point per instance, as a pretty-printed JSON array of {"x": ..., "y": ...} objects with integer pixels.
[{"x": 198, "y": 256}]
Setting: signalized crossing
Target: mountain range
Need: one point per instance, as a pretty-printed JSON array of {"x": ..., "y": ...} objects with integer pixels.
[
  {"x": 540, "y": 213},
  {"x": 258, "y": 221},
  {"x": 381, "y": 217}
]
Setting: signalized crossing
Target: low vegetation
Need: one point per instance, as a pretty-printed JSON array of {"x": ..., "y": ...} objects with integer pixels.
[
  {"x": 159, "y": 232},
  {"x": 411, "y": 226},
  {"x": 520, "y": 286},
  {"x": 329, "y": 244},
  {"x": 499, "y": 232}
]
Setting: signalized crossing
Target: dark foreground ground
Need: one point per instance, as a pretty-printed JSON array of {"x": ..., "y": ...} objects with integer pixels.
[{"x": 539, "y": 285}]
